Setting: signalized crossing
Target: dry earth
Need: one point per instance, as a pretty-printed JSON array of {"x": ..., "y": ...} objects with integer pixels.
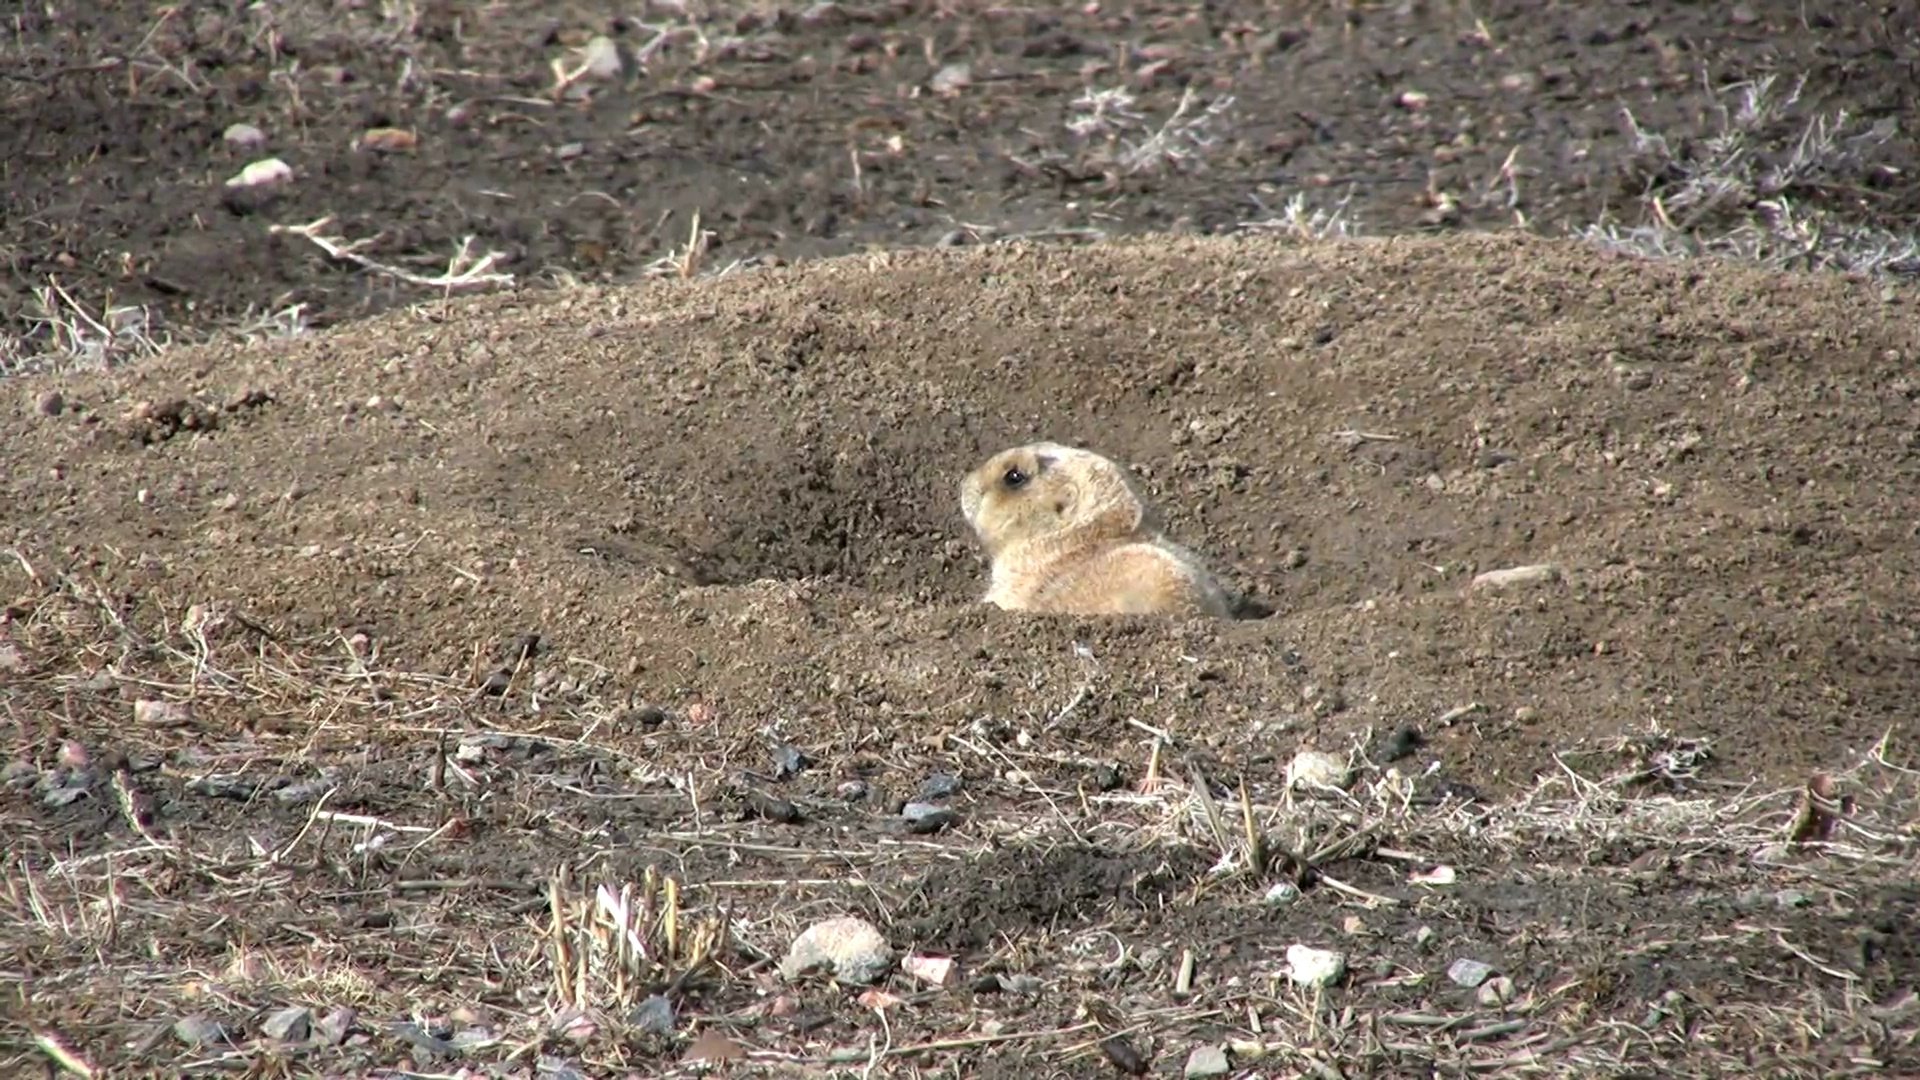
[
  {"x": 727, "y": 509},
  {"x": 337, "y": 672},
  {"x": 796, "y": 130}
]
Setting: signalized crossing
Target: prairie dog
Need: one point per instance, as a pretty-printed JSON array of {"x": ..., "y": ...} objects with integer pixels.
[{"x": 1070, "y": 532}]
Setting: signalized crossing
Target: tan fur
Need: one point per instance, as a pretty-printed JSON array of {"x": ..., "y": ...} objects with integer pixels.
[{"x": 1077, "y": 537}]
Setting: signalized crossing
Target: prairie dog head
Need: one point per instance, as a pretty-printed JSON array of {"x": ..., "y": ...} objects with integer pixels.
[{"x": 1048, "y": 491}]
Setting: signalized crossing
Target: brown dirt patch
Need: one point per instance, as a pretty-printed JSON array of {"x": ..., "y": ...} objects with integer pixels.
[
  {"x": 803, "y": 130},
  {"x": 734, "y": 501}
]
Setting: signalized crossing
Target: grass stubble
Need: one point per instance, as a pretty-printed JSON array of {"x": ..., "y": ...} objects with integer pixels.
[{"x": 292, "y": 824}]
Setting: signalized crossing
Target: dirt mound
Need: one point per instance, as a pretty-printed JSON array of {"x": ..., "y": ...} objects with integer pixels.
[
  {"x": 744, "y": 492},
  {"x": 429, "y": 624}
]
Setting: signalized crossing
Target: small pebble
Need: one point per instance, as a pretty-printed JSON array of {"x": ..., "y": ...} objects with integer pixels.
[
  {"x": 1469, "y": 973},
  {"x": 244, "y": 137},
  {"x": 1206, "y": 1061},
  {"x": 653, "y": 1016},
  {"x": 199, "y": 1030},
  {"x": 851, "y": 948},
  {"x": 602, "y": 57},
  {"x": 289, "y": 1025},
  {"x": 335, "y": 1025},
  {"x": 925, "y": 817},
  {"x": 264, "y": 173},
  {"x": 1282, "y": 893},
  {"x": 1311, "y": 967},
  {"x": 1517, "y": 575},
  {"x": 1495, "y": 992},
  {"x": 1123, "y": 1055},
  {"x": 932, "y": 970},
  {"x": 950, "y": 80},
  {"x": 388, "y": 140},
  {"x": 939, "y": 786},
  {"x": 788, "y": 760},
  {"x": 51, "y": 403},
  {"x": 154, "y": 713},
  {"x": 1317, "y": 768},
  {"x": 470, "y": 1039}
]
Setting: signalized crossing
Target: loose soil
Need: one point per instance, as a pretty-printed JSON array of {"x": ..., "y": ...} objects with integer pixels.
[
  {"x": 804, "y": 130},
  {"x": 620, "y": 546},
  {"x": 328, "y": 664}
]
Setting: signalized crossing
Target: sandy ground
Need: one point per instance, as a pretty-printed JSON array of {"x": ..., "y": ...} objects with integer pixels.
[{"x": 338, "y": 670}]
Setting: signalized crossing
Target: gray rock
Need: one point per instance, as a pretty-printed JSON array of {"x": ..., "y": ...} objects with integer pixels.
[
  {"x": 335, "y": 1025},
  {"x": 852, "y": 948},
  {"x": 1207, "y": 1061},
  {"x": 1021, "y": 984},
  {"x": 926, "y": 817},
  {"x": 1313, "y": 968},
  {"x": 244, "y": 137},
  {"x": 470, "y": 1039},
  {"x": 71, "y": 789},
  {"x": 199, "y": 1030},
  {"x": 789, "y": 760},
  {"x": 291, "y": 1025},
  {"x": 1495, "y": 992},
  {"x": 422, "y": 1041},
  {"x": 1469, "y": 973},
  {"x": 1282, "y": 893},
  {"x": 1516, "y": 576},
  {"x": 939, "y": 786},
  {"x": 653, "y": 1016},
  {"x": 553, "y": 1068}
]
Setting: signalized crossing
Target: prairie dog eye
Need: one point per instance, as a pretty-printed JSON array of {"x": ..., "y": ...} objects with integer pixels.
[{"x": 1014, "y": 478}]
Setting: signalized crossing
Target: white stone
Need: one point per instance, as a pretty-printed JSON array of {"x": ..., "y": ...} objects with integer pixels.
[
  {"x": 1207, "y": 1061},
  {"x": 1517, "y": 575},
  {"x": 1311, "y": 967},
  {"x": 852, "y": 948},
  {"x": 1317, "y": 768},
  {"x": 262, "y": 172}
]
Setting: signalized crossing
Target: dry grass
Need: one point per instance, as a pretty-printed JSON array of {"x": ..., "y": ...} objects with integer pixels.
[
  {"x": 68, "y": 334},
  {"x": 1106, "y": 136},
  {"x": 507, "y": 878},
  {"x": 1752, "y": 187}
]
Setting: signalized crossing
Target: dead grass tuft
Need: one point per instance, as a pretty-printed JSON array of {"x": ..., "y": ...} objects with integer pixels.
[
  {"x": 68, "y": 334},
  {"x": 1753, "y": 189},
  {"x": 298, "y": 823},
  {"x": 1109, "y": 137},
  {"x": 618, "y": 946}
]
